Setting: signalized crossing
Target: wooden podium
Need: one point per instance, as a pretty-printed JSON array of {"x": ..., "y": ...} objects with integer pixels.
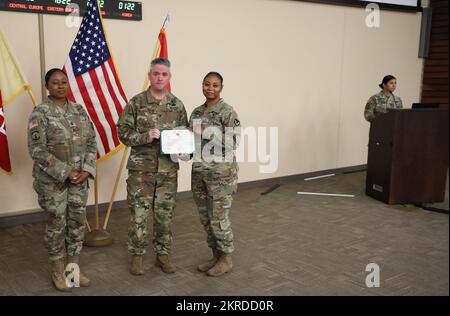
[{"x": 408, "y": 156}]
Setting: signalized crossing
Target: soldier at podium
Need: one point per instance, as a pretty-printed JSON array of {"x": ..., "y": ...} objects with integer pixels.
[{"x": 381, "y": 102}]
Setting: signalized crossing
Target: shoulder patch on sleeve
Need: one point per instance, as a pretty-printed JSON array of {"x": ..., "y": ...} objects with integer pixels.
[{"x": 35, "y": 135}]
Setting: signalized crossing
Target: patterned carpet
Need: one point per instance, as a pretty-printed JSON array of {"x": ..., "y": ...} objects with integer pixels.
[{"x": 286, "y": 244}]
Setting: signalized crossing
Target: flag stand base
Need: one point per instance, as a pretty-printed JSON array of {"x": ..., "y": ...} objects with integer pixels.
[{"x": 98, "y": 238}]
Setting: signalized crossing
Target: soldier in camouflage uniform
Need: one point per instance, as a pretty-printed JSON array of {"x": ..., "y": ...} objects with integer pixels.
[
  {"x": 61, "y": 142},
  {"x": 214, "y": 173},
  {"x": 381, "y": 102},
  {"x": 152, "y": 176}
]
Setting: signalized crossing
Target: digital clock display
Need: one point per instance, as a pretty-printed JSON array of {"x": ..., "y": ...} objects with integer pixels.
[{"x": 111, "y": 9}]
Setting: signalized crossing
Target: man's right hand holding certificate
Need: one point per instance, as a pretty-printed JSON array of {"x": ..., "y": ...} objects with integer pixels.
[{"x": 154, "y": 133}]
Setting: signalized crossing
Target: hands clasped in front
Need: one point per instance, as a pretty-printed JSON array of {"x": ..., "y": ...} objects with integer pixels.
[{"x": 76, "y": 177}]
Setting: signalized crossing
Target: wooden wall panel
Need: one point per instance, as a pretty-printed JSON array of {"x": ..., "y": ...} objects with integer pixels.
[{"x": 435, "y": 72}]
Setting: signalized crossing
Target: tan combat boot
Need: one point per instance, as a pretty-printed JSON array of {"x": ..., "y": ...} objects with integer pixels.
[
  {"x": 223, "y": 265},
  {"x": 58, "y": 275},
  {"x": 208, "y": 265},
  {"x": 137, "y": 267},
  {"x": 84, "y": 280},
  {"x": 163, "y": 261}
]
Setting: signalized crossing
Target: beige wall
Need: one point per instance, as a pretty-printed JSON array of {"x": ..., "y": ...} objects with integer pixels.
[{"x": 305, "y": 68}]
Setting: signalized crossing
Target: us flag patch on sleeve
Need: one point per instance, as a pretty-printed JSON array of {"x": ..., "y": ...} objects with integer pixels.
[{"x": 32, "y": 125}]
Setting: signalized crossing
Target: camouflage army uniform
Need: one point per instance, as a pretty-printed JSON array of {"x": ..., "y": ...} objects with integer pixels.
[
  {"x": 61, "y": 140},
  {"x": 380, "y": 103},
  {"x": 152, "y": 177},
  {"x": 214, "y": 183}
]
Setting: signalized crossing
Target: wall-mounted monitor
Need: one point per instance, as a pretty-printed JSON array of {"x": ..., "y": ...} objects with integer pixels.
[{"x": 403, "y": 5}]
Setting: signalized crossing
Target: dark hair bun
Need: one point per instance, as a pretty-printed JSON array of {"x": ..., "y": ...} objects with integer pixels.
[{"x": 385, "y": 80}]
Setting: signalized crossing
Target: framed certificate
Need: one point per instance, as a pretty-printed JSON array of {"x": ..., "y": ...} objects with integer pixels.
[{"x": 177, "y": 141}]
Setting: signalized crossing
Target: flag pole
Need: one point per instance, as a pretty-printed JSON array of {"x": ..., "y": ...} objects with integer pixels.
[
  {"x": 108, "y": 212},
  {"x": 97, "y": 237},
  {"x": 33, "y": 99},
  {"x": 96, "y": 202},
  {"x": 86, "y": 223},
  {"x": 42, "y": 53},
  {"x": 166, "y": 20}
]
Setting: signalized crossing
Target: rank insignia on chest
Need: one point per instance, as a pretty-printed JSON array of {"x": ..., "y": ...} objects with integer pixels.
[{"x": 171, "y": 106}]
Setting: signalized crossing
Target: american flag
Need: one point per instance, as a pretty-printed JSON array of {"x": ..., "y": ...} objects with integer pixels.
[{"x": 93, "y": 80}]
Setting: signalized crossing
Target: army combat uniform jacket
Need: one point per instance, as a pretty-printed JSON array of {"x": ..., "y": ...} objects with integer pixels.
[
  {"x": 380, "y": 104},
  {"x": 60, "y": 140},
  {"x": 143, "y": 113},
  {"x": 220, "y": 117}
]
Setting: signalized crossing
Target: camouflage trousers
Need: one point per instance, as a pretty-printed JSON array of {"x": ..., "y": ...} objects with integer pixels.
[
  {"x": 213, "y": 195},
  {"x": 65, "y": 207},
  {"x": 156, "y": 193}
]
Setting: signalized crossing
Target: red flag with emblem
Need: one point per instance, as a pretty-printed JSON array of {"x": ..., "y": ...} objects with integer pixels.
[
  {"x": 12, "y": 84},
  {"x": 161, "y": 51},
  {"x": 5, "y": 162}
]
